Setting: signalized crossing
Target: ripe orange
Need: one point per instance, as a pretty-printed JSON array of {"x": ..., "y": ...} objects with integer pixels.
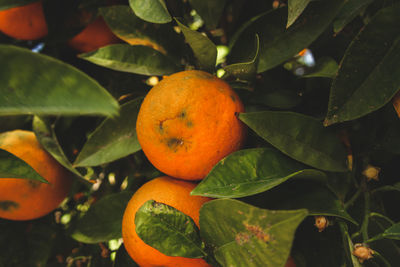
[
  {"x": 396, "y": 103},
  {"x": 95, "y": 35},
  {"x": 173, "y": 192},
  {"x": 24, "y": 22},
  {"x": 23, "y": 199},
  {"x": 188, "y": 122}
]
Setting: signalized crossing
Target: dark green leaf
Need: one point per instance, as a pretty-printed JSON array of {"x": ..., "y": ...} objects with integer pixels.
[
  {"x": 133, "y": 30},
  {"x": 349, "y": 11},
  {"x": 301, "y": 137},
  {"x": 302, "y": 194},
  {"x": 209, "y": 10},
  {"x": 348, "y": 244},
  {"x": 46, "y": 136},
  {"x": 154, "y": 11},
  {"x": 204, "y": 50},
  {"x": 325, "y": 67},
  {"x": 14, "y": 167},
  {"x": 168, "y": 230},
  {"x": 248, "y": 172},
  {"x": 247, "y": 70},
  {"x": 122, "y": 259},
  {"x": 295, "y": 8},
  {"x": 369, "y": 74},
  {"x": 388, "y": 188},
  {"x": 244, "y": 235},
  {"x": 115, "y": 138},
  {"x": 279, "y": 44},
  {"x": 393, "y": 232},
  {"x": 103, "y": 221},
  {"x": 135, "y": 59},
  {"x": 6, "y": 4},
  {"x": 32, "y": 83}
]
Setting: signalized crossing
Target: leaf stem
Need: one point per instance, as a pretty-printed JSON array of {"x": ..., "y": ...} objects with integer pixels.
[
  {"x": 375, "y": 214},
  {"x": 367, "y": 207},
  {"x": 353, "y": 198},
  {"x": 385, "y": 262}
]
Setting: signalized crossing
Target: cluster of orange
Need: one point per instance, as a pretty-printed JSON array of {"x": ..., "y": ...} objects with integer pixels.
[{"x": 28, "y": 22}]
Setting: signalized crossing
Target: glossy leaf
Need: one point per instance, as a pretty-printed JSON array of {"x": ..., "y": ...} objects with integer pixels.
[
  {"x": 277, "y": 43},
  {"x": 14, "y": 167},
  {"x": 295, "y": 8},
  {"x": 6, "y": 4},
  {"x": 250, "y": 171},
  {"x": 154, "y": 11},
  {"x": 168, "y": 230},
  {"x": 46, "y": 136},
  {"x": 366, "y": 83},
  {"x": 32, "y": 83},
  {"x": 134, "y": 59},
  {"x": 393, "y": 232},
  {"x": 325, "y": 67},
  {"x": 122, "y": 259},
  {"x": 133, "y": 30},
  {"x": 115, "y": 138},
  {"x": 209, "y": 10},
  {"x": 350, "y": 10},
  {"x": 247, "y": 70},
  {"x": 103, "y": 221},
  {"x": 299, "y": 136},
  {"x": 244, "y": 235},
  {"x": 204, "y": 50}
]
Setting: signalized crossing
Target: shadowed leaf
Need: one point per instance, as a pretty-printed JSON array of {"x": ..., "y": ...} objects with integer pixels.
[{"x": 295, "y": 8}]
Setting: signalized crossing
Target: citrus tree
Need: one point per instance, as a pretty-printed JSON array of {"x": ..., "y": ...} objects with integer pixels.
[{"x": 292, "y": 110}]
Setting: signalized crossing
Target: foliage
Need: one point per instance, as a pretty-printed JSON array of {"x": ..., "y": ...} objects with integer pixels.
[{"x": 318, "y": 120}]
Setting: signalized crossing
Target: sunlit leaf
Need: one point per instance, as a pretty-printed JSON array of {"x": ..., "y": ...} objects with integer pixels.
[
  {"x": 301, "y": 137},
  {"x": 204, "y": 50},
  {"x": 115, "y": 138},
  {"x": 32, "y": 83},
  {"x": 250, "y": 171},
  {"x": 369, "y": 74},
  {"x": 154, "y": 11},
  {"x": 244, "y": 235},
  {"x": 14, "y": 167},
  {"x": 168, "y": 230},
  {"x": 295, "y": 8},
  {"x": 135, "y": 59},
  {"x": 103, "y": 221}
]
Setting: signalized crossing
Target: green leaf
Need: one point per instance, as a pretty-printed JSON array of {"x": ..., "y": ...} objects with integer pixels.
[
  {"x": 369, "y": 74},
  {"x": 154, "y": 11},
  {"x": 204, "y": 50},
  {"x": 250, "y": 171},
  {"x": 134, "y": 59},
  {"x": 348, "y": 244},
  {"x": 209, "y": 10},
  {"x": 122, "y": 259},
  {"x": 301, "y": 137},
  {"x": 115, "y": 138},
  {"x": 349, "y": 11},
  {"x": 325, "y": 67},
  {"x": 295, "y": 8},
  {"x": 168, "y": 230},
  {"x": 247, "y": 70},
  {"x": 14, "y": 167},
  {"x": 6, "y": 4},
  {"x": 302, "y": 194},
  {"x": 244, "y": 235},
  {"x": 46, "y": 136},
  {"x": 103, "y": 221},
  {"x": 133, "y": 30},
  {"x": 393, "y": 232},
  {"x": 277, "y": 43},
  {"x": 388, "y": 188},
  {"x": 32, "y": 83}
]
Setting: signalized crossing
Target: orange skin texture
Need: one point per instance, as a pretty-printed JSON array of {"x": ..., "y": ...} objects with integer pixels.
[
  {"x": 396, "y": 103},
  {"x": 290, "y": 262},
  {"x": 170, "y": 191},
  {"x": 188, "y": 122},
  {"x": 31, "y": 199},
  {"x": 95, "y": 35},
  {"x": 24, "y": 22}
]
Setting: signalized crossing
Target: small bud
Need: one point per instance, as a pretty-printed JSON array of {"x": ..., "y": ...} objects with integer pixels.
[
  {"x": 371, "y": 172},
  {"x": 362, "y": 252},
  {"x": 321, "y": 223}
]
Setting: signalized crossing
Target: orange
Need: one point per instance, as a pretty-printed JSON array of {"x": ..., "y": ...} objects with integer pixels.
[
  {"x": 24, "y": 22},
  {"x": 24, "y": 199},
  {"x": 188, "y": 122},
  {"x": 396, "y": 103},
  {"x": 290, "y": 262},
  {"x": 95, "y": 35},
  {"x": 173, "y": 192}
]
